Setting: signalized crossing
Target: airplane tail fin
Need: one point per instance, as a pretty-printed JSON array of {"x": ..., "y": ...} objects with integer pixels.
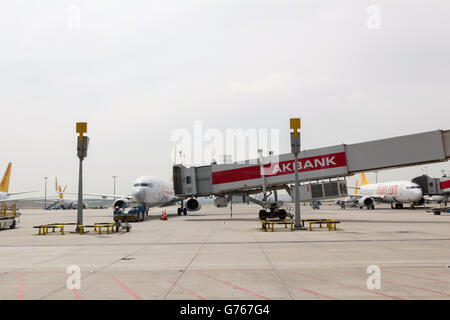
[
  {"x": 4, "y": 185},
  {"x": 58, "y": 189},
  {"x": 61, "y": 196},
  {"x": 356, "y": 188},
  {"x": 364, "y": 180}
]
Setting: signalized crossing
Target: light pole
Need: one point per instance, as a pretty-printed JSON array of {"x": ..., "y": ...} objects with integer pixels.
[
  {"x": 45, "y": 193},
  {"x": 295, "y": 149},
  {"x": 82, "y": 146},
  {"x": 114, "y": 177}
]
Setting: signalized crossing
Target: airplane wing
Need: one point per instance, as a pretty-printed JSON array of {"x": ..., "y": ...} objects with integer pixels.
[
  {"x": 14, "y": 193},
  {"x": 374, "y": 197},
  {"x": 170, "y": 202},
  {"x": 94, "y": 200},
  {"x": 41, "y": 200},
  {"x": 26, "y": 199},
  {"x": 378, "y": 198},
  {"x": 104, "y": 196}
]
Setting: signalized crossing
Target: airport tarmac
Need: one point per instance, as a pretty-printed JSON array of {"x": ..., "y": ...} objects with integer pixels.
[{"x": 208, "y": 255}]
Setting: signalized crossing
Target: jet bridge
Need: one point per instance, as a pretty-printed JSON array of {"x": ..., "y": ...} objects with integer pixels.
[
  {"x": 434, "y": 186},
  {"x": 316, "y": 164}
]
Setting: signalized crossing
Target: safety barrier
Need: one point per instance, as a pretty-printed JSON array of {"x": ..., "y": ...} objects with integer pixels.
[
  {"x": 269, "y": 224},
  {"x": 97, "y": 226},
  {"x": 330, "y": 223},
  {"x": 43, "y": 228},
  {"x": 8, "y": 211},
  {"x": 110, "y": 227}
]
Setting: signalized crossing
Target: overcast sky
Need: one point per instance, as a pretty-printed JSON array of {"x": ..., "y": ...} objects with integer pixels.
[{"x": 138, "y": 70}]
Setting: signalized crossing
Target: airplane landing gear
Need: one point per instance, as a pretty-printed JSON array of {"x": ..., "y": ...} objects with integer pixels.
[
  {"x": 182, "y": 210},
  {"x": 280, "y": 214}
]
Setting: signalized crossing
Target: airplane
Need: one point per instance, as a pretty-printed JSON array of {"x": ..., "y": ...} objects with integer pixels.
[
  {"x": 153, "y": 192},
  {"x": 64, "y": 203},
  {"x": 4, "y": 186},
  {"x": 396, "y": 193}
]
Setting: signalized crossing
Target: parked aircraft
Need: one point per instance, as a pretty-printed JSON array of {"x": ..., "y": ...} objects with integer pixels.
[
  {"x": 396, "y": 193},
  {"x": 153, "y": 192},
  {"x": 4, "y": 186},
  {"x": 67, "y": 203}
]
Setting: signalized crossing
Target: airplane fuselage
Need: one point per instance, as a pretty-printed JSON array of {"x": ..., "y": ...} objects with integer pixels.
[{"x": 393, "y": 192}]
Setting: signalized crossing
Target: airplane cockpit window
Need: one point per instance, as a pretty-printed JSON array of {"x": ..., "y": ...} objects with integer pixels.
[{"x": 143, "y": 185}]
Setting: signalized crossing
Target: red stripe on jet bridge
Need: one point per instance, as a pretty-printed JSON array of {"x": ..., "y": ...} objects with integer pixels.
[
  {"x": 327, "y": 161},
  {"x": 445, "y": 184}
]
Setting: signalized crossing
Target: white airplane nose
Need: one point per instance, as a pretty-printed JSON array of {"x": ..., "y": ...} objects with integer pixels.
[{"x": 139, "y": 195}]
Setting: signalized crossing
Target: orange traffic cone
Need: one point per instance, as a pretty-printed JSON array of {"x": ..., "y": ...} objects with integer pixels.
[{"x": 164, "y": 215}]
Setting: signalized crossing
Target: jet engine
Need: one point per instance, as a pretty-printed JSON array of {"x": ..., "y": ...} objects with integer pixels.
[
  {"x": 421, "y": 202},
  {"x": 74, "y": 205},
  {"x": 121, "y": 203},
  {"x": 193, "y": 205},
  {"x": 365, "y": 202}
]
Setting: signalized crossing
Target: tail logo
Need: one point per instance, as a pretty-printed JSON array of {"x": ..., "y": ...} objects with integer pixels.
[
  {"x": 4, "y": 185},
  {"x": 364, "y": 180},
  {"x": 58, "y": 189}
]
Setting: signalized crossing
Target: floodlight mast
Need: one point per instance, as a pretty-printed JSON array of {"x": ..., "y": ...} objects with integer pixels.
[
  {"x": 82, "y": 146},
  {"x": 295, "y": 149}
]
